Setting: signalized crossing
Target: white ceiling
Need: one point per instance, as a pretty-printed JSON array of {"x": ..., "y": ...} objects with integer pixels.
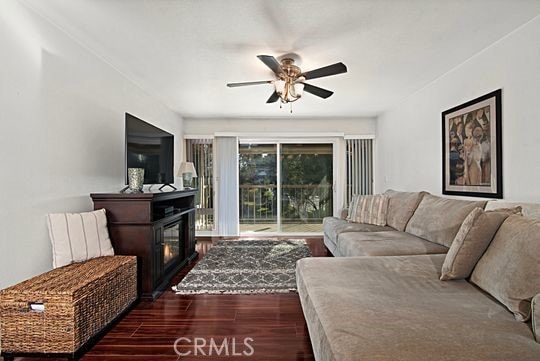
[{"x": 184, "y": 52}]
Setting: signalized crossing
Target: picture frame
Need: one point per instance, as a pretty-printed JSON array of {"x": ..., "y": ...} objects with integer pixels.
[{"x": 472, "y": 148}]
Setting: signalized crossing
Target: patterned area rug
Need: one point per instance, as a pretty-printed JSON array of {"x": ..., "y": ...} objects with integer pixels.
[{"x": 246, "y": 267}]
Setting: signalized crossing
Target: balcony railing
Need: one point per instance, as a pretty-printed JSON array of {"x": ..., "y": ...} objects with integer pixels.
[{"x": 300, "y": 203}]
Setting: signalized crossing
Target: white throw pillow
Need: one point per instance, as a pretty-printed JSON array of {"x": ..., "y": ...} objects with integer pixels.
[{"x": 78, "y": 237}]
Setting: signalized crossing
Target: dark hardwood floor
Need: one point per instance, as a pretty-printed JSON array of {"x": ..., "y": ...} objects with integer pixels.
[{"x": 274, "y": 322}]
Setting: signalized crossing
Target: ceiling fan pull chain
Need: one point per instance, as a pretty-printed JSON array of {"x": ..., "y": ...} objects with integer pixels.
[{"x": 291, "y": 107}]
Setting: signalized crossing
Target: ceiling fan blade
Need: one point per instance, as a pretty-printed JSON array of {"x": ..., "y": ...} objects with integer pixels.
[
  {"x": 273, "y": 98},
  {"x": 233, "y": 85},
  {"x": 271, "y": 62},
  {"x": 333, "y": 69},
  {"x": 315, "y": 90}
]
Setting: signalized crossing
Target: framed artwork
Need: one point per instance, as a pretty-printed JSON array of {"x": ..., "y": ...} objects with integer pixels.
[{"x": 472, "y": 149}]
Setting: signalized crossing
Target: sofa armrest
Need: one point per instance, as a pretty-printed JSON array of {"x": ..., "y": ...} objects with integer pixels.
[
  {"x": 535, "y": 314},
  {"x": 343, "y": 213}
]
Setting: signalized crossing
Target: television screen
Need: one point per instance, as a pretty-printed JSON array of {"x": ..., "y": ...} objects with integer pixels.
[{"x": 150, "y": 148}]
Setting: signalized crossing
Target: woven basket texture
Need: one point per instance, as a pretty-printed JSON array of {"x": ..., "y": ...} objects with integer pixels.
[{"x": 79, "y": 299}]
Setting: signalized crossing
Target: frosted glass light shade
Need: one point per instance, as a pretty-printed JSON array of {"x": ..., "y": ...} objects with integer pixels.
[
  {"x": 298, "y": 89},
  {"x": 280, "y": 86}
]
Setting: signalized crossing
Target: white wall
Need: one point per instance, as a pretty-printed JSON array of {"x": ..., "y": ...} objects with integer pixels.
[
  {"x": 61, "y": 133},
  {"x": 292, "y": 124},
  {"x": 409, "y": 136}
]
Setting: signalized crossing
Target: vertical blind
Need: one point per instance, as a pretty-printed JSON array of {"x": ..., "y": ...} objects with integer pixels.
[
  {"x": 359, "y": 159},
  {"x": 227, "y": 185},
  {"x": 200, "y": 152}
]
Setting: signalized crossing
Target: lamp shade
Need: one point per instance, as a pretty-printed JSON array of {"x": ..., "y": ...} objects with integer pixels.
[{"x": 187, "y": 167}]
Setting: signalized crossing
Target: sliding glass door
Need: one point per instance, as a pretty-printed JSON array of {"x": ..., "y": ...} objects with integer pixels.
[
  {"x": 285, "y": 187},
  {"x": 258, "y": 188},
  {"x": 306, "y": 186}
]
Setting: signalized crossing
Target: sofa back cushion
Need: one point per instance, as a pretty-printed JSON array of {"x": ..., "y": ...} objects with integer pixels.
[
  {"x": 510, "y": 268},
  {"x": 438, "y": 219},
  {"x": 401, "y": 207},
  {"x": 535, "y": 316},
  {"x": 529, "y": 210},
  {"x": 369, "y": 209},
  {"x": 472, "y": 240}
]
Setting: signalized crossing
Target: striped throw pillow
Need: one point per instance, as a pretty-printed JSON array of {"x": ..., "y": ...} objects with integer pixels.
[
  {"x": 369, "y": 209},
  {"x": 78, "y": 237},
  {"x": 352, "y": 208}
]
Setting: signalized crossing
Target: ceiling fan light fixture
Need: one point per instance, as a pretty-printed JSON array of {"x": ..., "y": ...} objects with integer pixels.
[
  {"x": 279, "y": 86},
  {"x": 287, "y": 91},
  {"x": 298, "y": 89}
]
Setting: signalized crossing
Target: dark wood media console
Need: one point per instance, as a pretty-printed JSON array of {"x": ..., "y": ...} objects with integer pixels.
[{"x": 157, "y": 227}]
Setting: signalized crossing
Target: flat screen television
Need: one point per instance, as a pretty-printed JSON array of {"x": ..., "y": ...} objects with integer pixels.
[{"x": 150, "y": 148}]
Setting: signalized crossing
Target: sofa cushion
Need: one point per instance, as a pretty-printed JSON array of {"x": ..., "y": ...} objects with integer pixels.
[
  {"x": 396, "y": 308},
  {"x": 384, "y": 243},
  {"x": 535, "y": 314},
  {"x": 330, "y": 244},
  {"x": 334, "y": 226},
  {"x": 438, "y": 219},
  {"x": 78, "y": 237},
  {"x": 472, "y": 240},
  {"x": 529, "y": 210},
  {"x": 510, "y": 268},
  {"x": 401, "y": 207},
  {"x": 369, "y": 209}
]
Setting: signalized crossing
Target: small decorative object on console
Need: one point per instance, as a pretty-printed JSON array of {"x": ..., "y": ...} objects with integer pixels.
[{"x": 136, "y": 179}]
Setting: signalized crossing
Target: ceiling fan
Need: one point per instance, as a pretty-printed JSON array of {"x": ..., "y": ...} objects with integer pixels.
[{"x": 290, "y": 84}]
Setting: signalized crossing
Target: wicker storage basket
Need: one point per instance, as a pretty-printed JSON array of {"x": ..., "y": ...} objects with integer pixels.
[{"x": 78, "y": 301}]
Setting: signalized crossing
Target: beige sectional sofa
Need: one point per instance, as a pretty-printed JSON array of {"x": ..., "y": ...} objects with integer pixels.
[
  {"x": 418, "y": 223},
  {"x": 381, "y": 297}
]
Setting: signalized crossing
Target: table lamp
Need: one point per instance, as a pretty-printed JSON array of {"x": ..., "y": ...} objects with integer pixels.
[{"x": 187, "y": 172}]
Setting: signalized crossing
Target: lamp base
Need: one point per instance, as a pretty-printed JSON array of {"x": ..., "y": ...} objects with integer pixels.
[{"x": 187, "y": 179}]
